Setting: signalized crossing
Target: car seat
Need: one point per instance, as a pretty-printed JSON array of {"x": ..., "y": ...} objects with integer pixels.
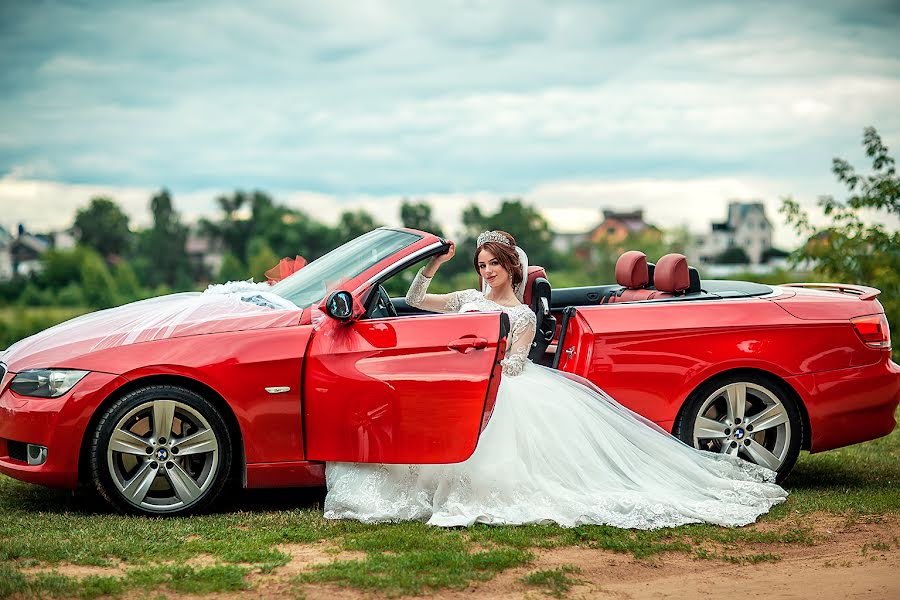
[{"x": 537, "y": 296}]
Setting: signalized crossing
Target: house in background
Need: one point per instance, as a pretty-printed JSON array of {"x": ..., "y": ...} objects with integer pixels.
[
  {"x": 21, "y": 255},
  {"x": 614, "y": 228},
  {"x": 747, "y": 227},
  {"x": 205, "y": 254},
  {"x": 26, "y": 250}
]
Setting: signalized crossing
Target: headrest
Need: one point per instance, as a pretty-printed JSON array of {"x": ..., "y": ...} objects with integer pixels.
[
  {"x": 533, "y": 273},
  {"x": 671, "y": 274},
  {"x": 631, "y": 269}
]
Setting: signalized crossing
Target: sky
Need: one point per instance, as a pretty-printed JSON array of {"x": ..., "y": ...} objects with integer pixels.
[{"x": 577, "y": 106}]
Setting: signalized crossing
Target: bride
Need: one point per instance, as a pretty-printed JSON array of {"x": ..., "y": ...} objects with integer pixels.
[{"x": 557, "y": 448}]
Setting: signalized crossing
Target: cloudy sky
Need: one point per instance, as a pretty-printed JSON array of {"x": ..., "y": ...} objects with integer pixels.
[{"x": 574, "y": 106}]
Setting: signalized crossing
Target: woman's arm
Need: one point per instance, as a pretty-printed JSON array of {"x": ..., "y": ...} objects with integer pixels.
[
  {"x": 416, "y": 295},
  {"x": 520, "y": 339}
]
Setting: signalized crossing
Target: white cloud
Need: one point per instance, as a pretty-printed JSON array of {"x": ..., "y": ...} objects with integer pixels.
[{"x": 574, "y": 106}]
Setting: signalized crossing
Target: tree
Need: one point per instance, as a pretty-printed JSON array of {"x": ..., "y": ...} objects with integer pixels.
[
  {"x": 353, "y": 224},
  {"x": 733, "y": 256},
  {"x": 126, "y": 282},
  {"x": 62, "y": 267},
  {"x": 524, "y": 222},
  {"x": 235, "y": 228},
  {"x": 97, "y": 284},
  {"x": 163, "y": 246},
  {"x": 851, "y": 248},
  {"x": 417, "y": 215},
  {"x": 104, "y": 227},
  {"x": 261, "y": 260},
  {"x": 232, "y": 269}
]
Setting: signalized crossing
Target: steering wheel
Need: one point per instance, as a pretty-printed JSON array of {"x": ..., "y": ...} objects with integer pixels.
[{"x": 381, "y": 306}]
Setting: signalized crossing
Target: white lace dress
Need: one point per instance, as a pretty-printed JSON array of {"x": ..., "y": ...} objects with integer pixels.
[{"x": 557, "y": 449}]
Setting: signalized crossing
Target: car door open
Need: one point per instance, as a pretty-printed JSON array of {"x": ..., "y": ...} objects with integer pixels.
[{"x": 401, "y": 390}]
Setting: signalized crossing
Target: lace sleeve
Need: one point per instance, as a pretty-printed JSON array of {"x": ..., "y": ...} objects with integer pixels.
[
  {"x": 524, "y": 325},
  {"x": 417, "y": 297}
]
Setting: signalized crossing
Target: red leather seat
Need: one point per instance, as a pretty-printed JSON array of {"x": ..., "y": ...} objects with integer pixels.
[
  {"x": 533, "y": 273},
  {"x": 672, "y": 276},
  {"x": 632, "y": 275}
]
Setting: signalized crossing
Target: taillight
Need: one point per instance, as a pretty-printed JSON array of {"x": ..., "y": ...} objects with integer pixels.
[{"x": 874, "y": 330}]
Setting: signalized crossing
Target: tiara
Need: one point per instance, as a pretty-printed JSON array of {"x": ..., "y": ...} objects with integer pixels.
[{"x": 492, "y": 236}]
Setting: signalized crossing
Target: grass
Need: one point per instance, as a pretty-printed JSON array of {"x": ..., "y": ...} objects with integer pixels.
[
  {"x": 555, "y": 582},
  {"x": 51, "y": 528}
]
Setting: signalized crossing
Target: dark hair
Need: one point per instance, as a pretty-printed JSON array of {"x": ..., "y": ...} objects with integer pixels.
[{"x": 506, "y": 256}]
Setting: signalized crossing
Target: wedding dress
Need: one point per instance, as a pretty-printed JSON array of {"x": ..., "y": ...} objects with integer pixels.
[{"x": 556, "y": 449}]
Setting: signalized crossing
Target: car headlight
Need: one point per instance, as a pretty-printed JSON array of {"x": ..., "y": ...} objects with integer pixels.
[{"x": 45, "y": 383}]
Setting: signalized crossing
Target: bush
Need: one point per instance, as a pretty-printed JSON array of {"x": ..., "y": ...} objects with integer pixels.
[
  {"x": 70, "y": 295},
  {"x": 97, "y": 284}
]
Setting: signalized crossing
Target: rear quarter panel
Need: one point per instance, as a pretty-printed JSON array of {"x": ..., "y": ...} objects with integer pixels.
[{"x": 651, "y": 356}]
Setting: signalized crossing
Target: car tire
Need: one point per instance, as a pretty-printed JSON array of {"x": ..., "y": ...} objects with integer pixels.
[
  {"x": 746, "y": 415},
  {"x": 160, "y": 450}
]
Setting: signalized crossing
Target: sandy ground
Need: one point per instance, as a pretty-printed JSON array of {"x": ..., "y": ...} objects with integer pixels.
[{"x": 852, "y": 558}]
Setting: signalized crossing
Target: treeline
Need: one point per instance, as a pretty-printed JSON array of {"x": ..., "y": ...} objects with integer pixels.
[{"x": 113, "y": 264}]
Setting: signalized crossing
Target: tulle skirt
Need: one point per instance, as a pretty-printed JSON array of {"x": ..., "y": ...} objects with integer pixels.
[{"x": 559, "y": 450}]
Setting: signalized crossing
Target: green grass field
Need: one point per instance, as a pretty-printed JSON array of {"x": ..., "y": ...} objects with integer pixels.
[{"x": 245, "y": 539}]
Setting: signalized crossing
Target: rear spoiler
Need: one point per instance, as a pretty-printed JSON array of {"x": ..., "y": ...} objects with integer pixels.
[{"x": 864, "y": 293}]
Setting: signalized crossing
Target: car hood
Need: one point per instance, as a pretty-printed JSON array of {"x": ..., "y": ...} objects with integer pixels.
[{"x": 172, "y": 316}]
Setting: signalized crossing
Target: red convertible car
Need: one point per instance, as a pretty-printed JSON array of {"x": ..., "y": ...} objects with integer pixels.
[{"x": 157, "y": 404}]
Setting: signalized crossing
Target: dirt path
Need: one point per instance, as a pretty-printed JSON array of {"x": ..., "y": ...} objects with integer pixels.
[{"x": 851, "y": 559}]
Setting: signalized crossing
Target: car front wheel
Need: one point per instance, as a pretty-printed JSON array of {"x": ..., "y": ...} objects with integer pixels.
[
  {"x": 160, "y": 450},
  {"x": 748, "y": 416}
]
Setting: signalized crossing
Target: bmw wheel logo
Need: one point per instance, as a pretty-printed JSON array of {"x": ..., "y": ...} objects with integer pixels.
[
  {"x": 162, "y": 454},
  {"x": 739, "y": 433}
]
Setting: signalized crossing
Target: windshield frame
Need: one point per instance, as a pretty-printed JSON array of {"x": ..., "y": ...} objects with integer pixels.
[{"x": 311, "y": 284}]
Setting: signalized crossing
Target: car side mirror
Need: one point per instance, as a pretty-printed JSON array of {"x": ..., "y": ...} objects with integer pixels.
[{"x": 340, "y": 305}]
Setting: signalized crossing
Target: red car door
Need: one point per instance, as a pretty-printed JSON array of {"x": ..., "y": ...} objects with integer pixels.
[{"x": 401, "y": 390}]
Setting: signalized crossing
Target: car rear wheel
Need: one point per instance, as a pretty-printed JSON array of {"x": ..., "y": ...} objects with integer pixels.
[
  {"x": 160, "y": 450},
  {"x": 747, "y": 416}
]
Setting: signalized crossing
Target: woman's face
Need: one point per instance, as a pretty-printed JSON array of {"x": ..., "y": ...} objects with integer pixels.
[{"x": 491, "y": 271}]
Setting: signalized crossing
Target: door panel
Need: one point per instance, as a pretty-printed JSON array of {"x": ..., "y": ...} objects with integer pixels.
[{"x": 400, "y": 390}]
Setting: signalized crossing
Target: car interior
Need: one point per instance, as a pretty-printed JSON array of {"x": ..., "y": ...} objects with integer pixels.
[{"x": 670, "y": 279}]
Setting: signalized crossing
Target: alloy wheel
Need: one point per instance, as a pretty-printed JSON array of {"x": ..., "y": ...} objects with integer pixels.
[
  {"x": 747, "y": 420},
  {"x": 163, "y": 456}
]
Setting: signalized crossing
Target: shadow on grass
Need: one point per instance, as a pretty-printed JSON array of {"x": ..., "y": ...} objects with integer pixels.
[{"x": 16, "y": 496}]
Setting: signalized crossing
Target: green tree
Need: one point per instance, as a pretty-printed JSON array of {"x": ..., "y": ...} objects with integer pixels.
[
  {"x": 104, "y": 227},
  {"x": 354, "y": 223},
  {"x": 163, "y": 246},
  {"x": 62, "y": 267},
  {"x": 232, "y": 269},
  {"x": 262, "y": 260},
  {"x": 126, "y": 282},
  {"x": 856, "y": 246},
  {"x": 235, "y": 228},
  {"x": 417, "y": 215},
  {"x": 97, "y": 284},
  {"x": 733, "y": 256},
  {"x": 524, "y": 222}
]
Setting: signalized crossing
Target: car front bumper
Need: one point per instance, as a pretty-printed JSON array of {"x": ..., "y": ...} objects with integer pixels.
[
  {"x": 58, "y": 424},
  {"x": 848, "y": 406}
]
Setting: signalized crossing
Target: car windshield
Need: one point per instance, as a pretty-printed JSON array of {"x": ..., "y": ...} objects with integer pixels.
[{"x": 310, "y": 284}]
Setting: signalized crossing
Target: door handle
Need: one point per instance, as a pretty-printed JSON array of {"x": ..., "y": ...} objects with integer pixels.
[{"x": 464, "y": 344}]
